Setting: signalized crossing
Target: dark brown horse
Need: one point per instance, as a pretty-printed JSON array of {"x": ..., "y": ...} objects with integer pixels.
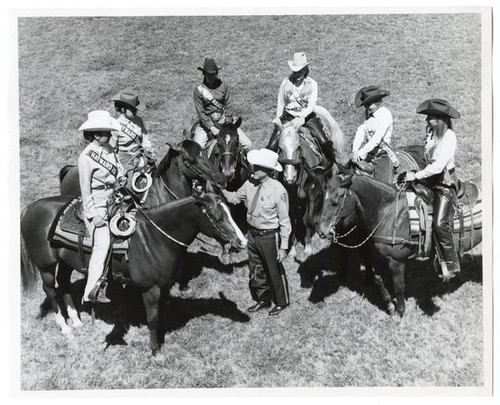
[
  {"x": 228, "y": 157},
  {"x": 157, "y": 246},
  {"x": 380, "y": 214}
]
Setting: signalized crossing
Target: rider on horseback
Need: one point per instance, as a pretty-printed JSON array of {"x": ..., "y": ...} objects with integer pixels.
[
  {"x": 377, "y": 132},
  {"x": 439, "y": 175},
  {"x": 131, "y": 139},
  {"x": 297, "y": 98},
  {"x": 99, "y": 169},
  {"x": 213, "y": 106}
]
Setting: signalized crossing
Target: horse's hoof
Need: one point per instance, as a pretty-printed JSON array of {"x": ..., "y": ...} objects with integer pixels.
[
  {"x": 391, "y": 309},
  {"x": 159, "y": 357},
  {"x": 293, "y": 252},
  {"x": 76, "y": 323}
]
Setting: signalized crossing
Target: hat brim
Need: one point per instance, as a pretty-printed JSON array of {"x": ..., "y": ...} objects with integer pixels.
[
  {"x": 295, "y": 68},
  {"x": 210, "y": 72},
  {"x": 90, "y": 126},
  {"x": 119, "y": 99},
  {"x": 370, "y": 99},
  {"x": 259, "y": 163},
  {"x": 427, "y": 109}
]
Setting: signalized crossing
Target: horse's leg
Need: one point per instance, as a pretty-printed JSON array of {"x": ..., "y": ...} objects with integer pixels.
[
  {"x": 49, "y": 286},
  {"x": 64, "y": 282},
  {"x": 386, "y": 296},
  {"x": 151, "y": 298},
  {"x": 307, "y": 242},
  {"x": 398, "y": 282}
]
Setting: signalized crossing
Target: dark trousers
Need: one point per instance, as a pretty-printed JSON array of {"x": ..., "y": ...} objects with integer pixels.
[
  {"x": 313, "y": 124},
  {"x": 382, "y": 167},
  {"x": 267, "y": 276},
  {"x": 442, "y": 222}
]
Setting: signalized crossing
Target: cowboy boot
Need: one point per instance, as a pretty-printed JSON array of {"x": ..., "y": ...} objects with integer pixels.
[{"x": 273, "y": 143}]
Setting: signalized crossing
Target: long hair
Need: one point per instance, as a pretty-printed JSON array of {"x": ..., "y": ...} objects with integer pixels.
[
  {"x": 306, "y": 73},
  {"x": 443, "y": 124}
]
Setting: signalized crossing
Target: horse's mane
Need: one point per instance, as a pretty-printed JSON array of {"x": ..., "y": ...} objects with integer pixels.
[
  {"x": 165, "y": 162},
  {"x": 171, "y": 205}
]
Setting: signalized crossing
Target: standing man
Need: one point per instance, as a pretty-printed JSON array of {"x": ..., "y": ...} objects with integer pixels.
[{"x": 266, "y": 201}]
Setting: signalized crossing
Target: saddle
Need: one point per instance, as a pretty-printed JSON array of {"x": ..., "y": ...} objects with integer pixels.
[
  {"x": 69, "y": 230},
  {"x": 467, "y": 218}
]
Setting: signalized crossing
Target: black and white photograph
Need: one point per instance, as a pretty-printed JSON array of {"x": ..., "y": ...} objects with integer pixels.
[{"x": 253, "y": 198}]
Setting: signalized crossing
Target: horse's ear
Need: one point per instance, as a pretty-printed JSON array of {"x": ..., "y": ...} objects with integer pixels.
[
  {"x": 237, "y": 123},
  {"x": 185, "y": 133},
  {"x": 177, "y": 147}
]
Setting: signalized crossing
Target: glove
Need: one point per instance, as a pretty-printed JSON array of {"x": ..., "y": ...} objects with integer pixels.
[
  {"x": 355, "y": 156},
  {"x": 214, "y": 130}
]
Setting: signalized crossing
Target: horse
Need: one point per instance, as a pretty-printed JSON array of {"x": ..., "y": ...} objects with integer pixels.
[
  {"x": 157, "y": 246},
  {"x": 313, "y": 191},
  {"x": 183, "y": 163},
  {"x": 379, "y": 213},
  {"x": 297, "y": 151},
  {"x": 228, "y": 157}
]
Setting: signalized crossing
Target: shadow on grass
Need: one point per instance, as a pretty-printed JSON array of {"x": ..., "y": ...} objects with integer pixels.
[{"x": 329, "y": 269}]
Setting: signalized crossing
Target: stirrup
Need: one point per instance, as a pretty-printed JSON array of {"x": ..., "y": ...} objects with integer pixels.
[{"x": 98, "y": 293}]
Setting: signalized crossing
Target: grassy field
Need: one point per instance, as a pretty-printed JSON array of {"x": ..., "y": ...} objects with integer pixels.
[{"x": 335, "y": 333}]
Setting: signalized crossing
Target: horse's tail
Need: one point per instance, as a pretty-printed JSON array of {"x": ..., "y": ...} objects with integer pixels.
[
  {"x": 64, "y": 171},
  {"x": 29, "y": 272},
  {"x": 334, "y": 132}
]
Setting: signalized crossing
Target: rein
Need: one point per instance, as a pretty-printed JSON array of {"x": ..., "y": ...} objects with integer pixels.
[{"x": 381, "y": 238}]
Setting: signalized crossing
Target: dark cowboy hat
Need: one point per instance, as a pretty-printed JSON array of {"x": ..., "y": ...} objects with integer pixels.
[
  {"x": 368, "y": 95},
  {"x": 209, "y": 66},
  {"x": 437, "y": 107},
  {"x": 127, "y": 97}
]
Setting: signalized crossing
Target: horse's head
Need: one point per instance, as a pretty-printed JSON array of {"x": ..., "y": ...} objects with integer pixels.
[
  {"x": 229, "y": 148},
  {"x": 196, "y": 165},
  {"x": 289, "y": 143},
  {"x": 339, "y": 206},
  {"x": 313, "y": 191},
  {"x": 218, "y": 222}
]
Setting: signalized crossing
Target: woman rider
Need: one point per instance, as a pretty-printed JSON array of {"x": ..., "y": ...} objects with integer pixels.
[
  {"x": 297, "y": 98},
  {"x": 439, "y": 175}
]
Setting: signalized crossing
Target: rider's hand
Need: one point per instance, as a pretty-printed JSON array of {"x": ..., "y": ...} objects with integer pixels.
[
  {"x": 355, "y": 156},
  {"x": 122, "y": 181},
  {"x": 277, "y": 121},
  {"x": 150, "y": 153},
  {"x": 281, "y": 254},
  {"x": 214, "y": 130},
  {"x": 98, "y": 221},
  {"x": 410, "y": 176}
]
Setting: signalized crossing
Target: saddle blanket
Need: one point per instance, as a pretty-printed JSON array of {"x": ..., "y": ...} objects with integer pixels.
[
  {"x": 68, "y": 227},
  {"x": 472, "y": 216}
]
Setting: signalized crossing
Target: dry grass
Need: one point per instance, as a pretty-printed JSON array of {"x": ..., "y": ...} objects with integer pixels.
[{"x": 335, "y": 334}]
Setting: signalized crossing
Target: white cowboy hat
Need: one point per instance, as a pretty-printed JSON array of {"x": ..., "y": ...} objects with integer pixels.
[
  {"x": 100, "y": 120},
  {"x": 299, "y": 61},
  {"x": 264, "y": 158}
]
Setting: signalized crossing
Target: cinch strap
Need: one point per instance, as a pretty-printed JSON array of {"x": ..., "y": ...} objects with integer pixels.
[{"x": 103, "y": 162}]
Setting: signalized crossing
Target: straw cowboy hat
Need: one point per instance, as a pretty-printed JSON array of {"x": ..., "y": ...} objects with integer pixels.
[
  {"x": 368, "y": 95},
  {"x": 265, "y": 158},
  {"x": 209, "y": 66},
  {"x": 100, "y": 120},
  {"x": 299, "y": 61},
  {"x": 437, "y": 107},
  {"x": 128, "y": 97}
]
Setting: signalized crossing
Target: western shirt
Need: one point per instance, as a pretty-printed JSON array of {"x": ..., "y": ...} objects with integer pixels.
[
  {"x": 271, "y": 209},
  {"x": 439, "y": 153},
  {"x": 209, "y": 112},
  {"x": 97, "y": 178},
  {"x": 375, "y": 129},
  {"x": 132, "y": 135},
  {"x": 298, "y": 101}
]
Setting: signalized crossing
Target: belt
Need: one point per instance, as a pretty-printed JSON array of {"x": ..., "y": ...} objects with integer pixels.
[
  {"x": 262, "y": 232},
  {"x": 103, "y": 187}
]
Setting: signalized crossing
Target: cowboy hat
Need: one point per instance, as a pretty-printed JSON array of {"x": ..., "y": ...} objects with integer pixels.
[
  {"x": 128, "y": 97},
  {"x": 209, "y": 66},
  {"x": 265, "y": 158},
  {"x": 299, "y": 61},
  {"x": 435, "y": 106},
  {"x": 100, "y": 120},
  {"x": 368, "y": 95}
]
